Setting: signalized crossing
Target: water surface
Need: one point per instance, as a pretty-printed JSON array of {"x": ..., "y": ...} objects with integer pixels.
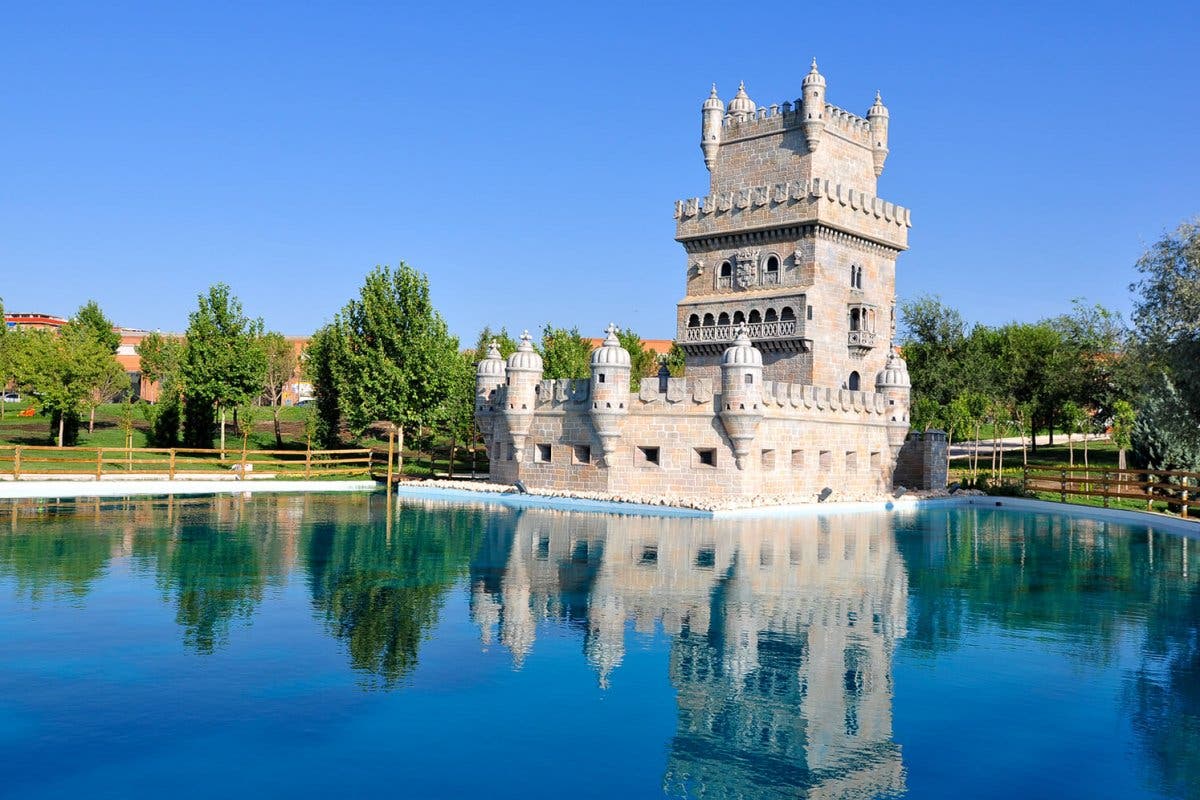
[{"x": 314, "y": 645}]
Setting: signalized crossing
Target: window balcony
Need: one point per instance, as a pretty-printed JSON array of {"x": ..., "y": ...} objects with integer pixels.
[{"x": 779, "y": 329}]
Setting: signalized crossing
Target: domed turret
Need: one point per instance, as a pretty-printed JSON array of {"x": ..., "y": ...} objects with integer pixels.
[
  {"x": 877, "y": 117},
  {"x": 490, "y": 375},
  {"x": 893, "y": 383},
  {"x": 741, "y": 106},
  {"x": 524, "y": 374},
  {"x": 814, "y": 106},
  {"x": 741, "y": 394},
  {"x": 610, "y": 391},
  {"x": 711, "y": 114}
]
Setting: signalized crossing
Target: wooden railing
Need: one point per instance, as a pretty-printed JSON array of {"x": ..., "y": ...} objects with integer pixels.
[
  {"x": 181, "y": 463},
  {"x": 1178, "y": 490}
]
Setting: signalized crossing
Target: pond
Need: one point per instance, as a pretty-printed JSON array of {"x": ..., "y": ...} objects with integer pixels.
[{"x": 321, "y": 645}]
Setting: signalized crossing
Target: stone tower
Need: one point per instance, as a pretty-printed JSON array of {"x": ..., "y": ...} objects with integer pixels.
[{"x": 791, "y": 240}]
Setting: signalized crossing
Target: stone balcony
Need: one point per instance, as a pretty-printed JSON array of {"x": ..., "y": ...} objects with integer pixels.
[
  {"x": 862, "y": 340},
  {"x": 787, "y": 334}
]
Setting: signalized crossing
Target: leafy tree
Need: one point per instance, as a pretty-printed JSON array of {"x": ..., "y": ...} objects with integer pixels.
[
  {"x": 90, "y": 317},
  {"x": 61, "y": 369},
  {"x": 565, "y": 354},
  {"x": 388, "y": 355},
  {"x": 162, "y": 363},
  {"x": 1163, "y": 436},
  {"x": 1074, "y": 419},
  {"x": 507, "y": 344},
  {"x": 280, "y": 358},
  {"x": 458, "y": 418},
  {"x": 676, "y": 361},
  {"x": 325, "y": 415},
  {"x": 1167, "y": 312},
  {"x": 933, "y": 338},
  {"x": 8, "y": 342},
  {"x": 1095, "y": 367},
  {"x": 223, "y": 364},
  {"x": 1122, "y": 428},
  {"x": 643, "y": 363}
]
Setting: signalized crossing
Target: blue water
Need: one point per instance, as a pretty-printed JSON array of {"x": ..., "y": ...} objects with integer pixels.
[{"x": 316, "y": 646}]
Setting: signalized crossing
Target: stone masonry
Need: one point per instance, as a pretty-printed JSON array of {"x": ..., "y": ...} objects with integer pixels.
[{"x": 791, "y": 385}]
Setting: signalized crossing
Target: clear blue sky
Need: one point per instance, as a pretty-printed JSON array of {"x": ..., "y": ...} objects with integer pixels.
[{"x": 527, "y": 156}]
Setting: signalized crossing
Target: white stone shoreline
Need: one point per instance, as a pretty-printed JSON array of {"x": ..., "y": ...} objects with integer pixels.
[
  {"x": 710, "y": 505},
  {"x": 53, "y": 489}
]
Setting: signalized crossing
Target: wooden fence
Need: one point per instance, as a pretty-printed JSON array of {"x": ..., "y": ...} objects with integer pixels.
[
  {"x": 180, "y": 463},
  {"x": 1178, "y": 490}
]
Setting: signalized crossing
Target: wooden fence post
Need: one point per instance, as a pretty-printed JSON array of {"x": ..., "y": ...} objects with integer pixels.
[
  {"x": 1106, "y": 483},
  {"x": 171, "y": 472},
  {"x": 99, "y": 461},
  {"x": 17, "y": 464},
  {"x": 1063, "y": 484},
  {"x": 307, "y": 463}
]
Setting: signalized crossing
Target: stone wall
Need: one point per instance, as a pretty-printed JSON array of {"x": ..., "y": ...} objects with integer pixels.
[{"x": 922, "y": 462}]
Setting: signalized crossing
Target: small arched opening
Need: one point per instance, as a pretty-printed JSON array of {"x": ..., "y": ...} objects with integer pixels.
[
  {"x": 694, "y": 321},
  {"x": 754, "y": 316},
  {"x": 855, "y": 319},
  {"x": 853, "y": 382},
  {"x": 723, "y": 319},
  {"x": 771, "y": 316},
  {"x": 787, "y": 314},
  {"x": 709, "y": 321},
  {"x": 738, "y": 318}
]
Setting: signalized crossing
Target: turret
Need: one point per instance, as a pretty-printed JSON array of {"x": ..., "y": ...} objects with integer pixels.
[
  {"x": 878, "y": 119},
  {"x": 524, "y": 373},
  {"x": 711, "y": 114},
  {"x": 489, "y": 377},
  {"x": 741, "y": 107},
  {"x": 741, "y": 394},
  {"x": 894, "y": 385},
  {"x": 814, "y": 106},
  {"x": 610, "y": 391}
]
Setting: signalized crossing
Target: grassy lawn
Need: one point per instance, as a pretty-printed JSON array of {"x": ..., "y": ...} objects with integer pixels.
[{"x": 35, "y": 431}]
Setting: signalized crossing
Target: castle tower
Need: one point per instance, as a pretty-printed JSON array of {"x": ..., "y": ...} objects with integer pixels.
[
  {"x": 610, "y": 391},
  {"x": 524, "y": 373},
  {"x": 741, "y": 395},
  {"x": 877, "y": 117},
  {"x": 711, "y": 114},
  {"x": 893, "y": 383},
  {"x": 813, "y": 106},
  {"x": 489, "y": 377},
  {"x": 792, "y": 241}
]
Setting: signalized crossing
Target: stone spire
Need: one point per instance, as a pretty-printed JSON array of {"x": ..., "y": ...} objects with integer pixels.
[
  {"x": 877, "y": 118},
  {"x": 711, "y": 114},
  {"x": 813, "y": 101}
]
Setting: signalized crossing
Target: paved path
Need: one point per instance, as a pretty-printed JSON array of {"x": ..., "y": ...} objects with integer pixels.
[{"x": 963, "y": 449}]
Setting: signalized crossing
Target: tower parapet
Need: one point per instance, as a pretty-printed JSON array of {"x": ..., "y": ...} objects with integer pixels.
[
  {"x": 524, "y": 373},
  {"x": 610, "y": 391},
  {"x": 741, "y": 395}
]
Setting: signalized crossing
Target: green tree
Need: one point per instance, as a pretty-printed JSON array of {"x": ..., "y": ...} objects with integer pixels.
[
  {"x": 643, "y": 363},
  {"x": 223, "y": 364},
  {"x": 92, "y": 318},
  {"x": 565, "y": 354},
  {"x": 1122, "y": 428},
  {"x": 506, "y": 343},
  {"x": 388, "y": 355},
  {"x": 62, "y": 369},
  {"x": 1074, "y": 418},
  {"x": 1167, "y": 311},
  {"x": 933, "y": 339},
  {"x": 280, "y": 357},
  {"x": 8, "y": 374},
  {"x": 676, "y": 361},
  {"x": 326, "y": 416},
  {"x": 162, "y": 364},
  {"x": 458, "y": 417},
  {"x": 1164, "y": 436}
]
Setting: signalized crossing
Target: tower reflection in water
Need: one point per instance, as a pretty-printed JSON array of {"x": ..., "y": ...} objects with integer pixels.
[{"x": 782, "y": 632}]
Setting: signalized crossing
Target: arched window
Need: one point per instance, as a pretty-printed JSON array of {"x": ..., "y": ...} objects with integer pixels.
[
  {"x": 754, "y": 316},
  {"x": 738, "y": 318},
  {"x": 853, "y": 382},
  {"x": 726, "y": 269},
  {"x": 709, "y": 321},
  {"x": 723, "y": 319},
  {"x": 787, "y": 314},
  {"x": 726, "y": 275},
  {"x": 855, "y": 319},
  {"x": 853, "y": 275},
  {"x": 771, "y": 270},
  {"x": 694, "y": 321},
  {"x": 771, "y": 316}
]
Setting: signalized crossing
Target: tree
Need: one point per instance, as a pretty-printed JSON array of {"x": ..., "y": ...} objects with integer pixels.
[
  {"x": 62, "y": 369},
  {"x": 933, "y": 338},
  {"x": 1073, "y": 417},
  {"x": 458, "y": 417},
  {"x": 506, "y": 343},
  {"x": 280, "y": 358},
  {"x": 223, "y": 364},
  {"x": 565, "y": 354},
  {"x": 162, "y": 363},
  {"x": 643, "y": 363},
  {"x": 90, "y": 317},
  {"x": 1163, "y": 436},
  {"x": 1167, "y": 311},
  {"x": 1122, "y": 428},
  {"x": 676, "y": 361},
  {"x": 325, "y": 416},
  {"x": 7, "y": 360},
  {"x": 387, "y": 355}
]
